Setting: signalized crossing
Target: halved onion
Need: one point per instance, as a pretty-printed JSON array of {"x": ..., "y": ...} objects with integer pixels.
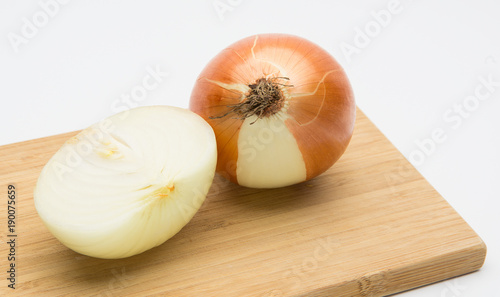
[{"x": 128, "y": 183}]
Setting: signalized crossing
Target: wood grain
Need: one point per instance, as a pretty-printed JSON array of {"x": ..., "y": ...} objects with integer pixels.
[{"x": 369, "y": 226}]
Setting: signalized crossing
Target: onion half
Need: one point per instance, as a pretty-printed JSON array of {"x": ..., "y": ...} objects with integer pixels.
[
  {"x": 281, "y": 107},
  {"x": 128, "y": 183}
]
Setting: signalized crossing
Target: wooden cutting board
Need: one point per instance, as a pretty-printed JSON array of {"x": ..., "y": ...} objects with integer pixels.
[{"x": 369, "y": 226}]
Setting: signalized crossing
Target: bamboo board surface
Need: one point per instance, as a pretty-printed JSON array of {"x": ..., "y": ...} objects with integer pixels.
[{"x": 369, "y": 226}]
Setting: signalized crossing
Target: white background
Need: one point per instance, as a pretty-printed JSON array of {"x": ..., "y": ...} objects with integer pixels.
[{"x": 411, "y": 66}]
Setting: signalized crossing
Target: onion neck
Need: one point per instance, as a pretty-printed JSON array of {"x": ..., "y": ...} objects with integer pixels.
[{"x": 264, "y": 99}]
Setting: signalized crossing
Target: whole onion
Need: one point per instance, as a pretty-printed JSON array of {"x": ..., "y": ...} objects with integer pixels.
[{"x": 281, "y": 107}]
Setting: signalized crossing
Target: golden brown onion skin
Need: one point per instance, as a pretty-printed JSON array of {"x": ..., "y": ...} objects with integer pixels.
[{"x": 320, "y": 103}]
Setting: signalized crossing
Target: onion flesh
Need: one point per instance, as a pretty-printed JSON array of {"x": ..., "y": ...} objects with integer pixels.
[{"x": 128, "y": 183}]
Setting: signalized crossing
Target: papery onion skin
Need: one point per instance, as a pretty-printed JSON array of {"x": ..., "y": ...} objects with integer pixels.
[
  {"x": 318, "y": 110},
  {"x": 128, "y": 183}
]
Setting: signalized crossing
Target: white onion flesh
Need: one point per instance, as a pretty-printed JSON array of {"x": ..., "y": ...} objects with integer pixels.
[
  {"x": 128, "y": 183},
  {"x": 268, "y": 141}
]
